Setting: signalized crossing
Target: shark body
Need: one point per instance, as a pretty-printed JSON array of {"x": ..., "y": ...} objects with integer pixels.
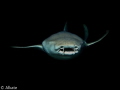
[{"x": 64, "y": 45}]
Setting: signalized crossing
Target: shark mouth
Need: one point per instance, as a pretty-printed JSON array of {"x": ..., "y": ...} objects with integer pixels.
[{"x": 68, "y": 51}]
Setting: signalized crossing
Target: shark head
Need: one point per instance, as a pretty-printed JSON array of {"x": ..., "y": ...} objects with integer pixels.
[{"x": 65, "y": 47}]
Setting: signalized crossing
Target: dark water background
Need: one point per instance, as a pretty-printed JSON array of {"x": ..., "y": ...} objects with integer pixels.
[{"x": 23, "y": 27}]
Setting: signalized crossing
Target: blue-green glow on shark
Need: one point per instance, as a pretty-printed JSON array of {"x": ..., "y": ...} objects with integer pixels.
[{"x": 64, "y": 45}]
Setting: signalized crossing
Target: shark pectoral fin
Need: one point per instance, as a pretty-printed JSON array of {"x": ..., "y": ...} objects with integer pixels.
[
  {"x": 88, "y": 44},
  {"x": 34, "y": 46},
  {"x": 86, "y": 32}
]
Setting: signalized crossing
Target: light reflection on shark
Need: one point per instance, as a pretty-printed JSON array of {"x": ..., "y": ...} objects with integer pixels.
[{"x": 64, "y": 45}]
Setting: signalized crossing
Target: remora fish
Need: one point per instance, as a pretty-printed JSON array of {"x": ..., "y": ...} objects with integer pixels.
[{"x": 64, "y": 45}]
